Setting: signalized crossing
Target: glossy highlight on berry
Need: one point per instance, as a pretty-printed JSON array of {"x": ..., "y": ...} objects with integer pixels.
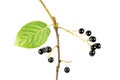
[
  {"x": 92, "y": 53},
  {"x": 44, "y": 50},
  {"x": 92, "y": 39},
  {"x": 48, "y": 49},
  {"x": 51, "y": 59},
  {"x": 40, "y": 51},
  {"x": 81, "y": 30},
  {"x": 67, "y": 69},
  {"x": 98, "y": 45},
  {"x": 88, "y": 33},
  {"x": 93, "y": 47}
]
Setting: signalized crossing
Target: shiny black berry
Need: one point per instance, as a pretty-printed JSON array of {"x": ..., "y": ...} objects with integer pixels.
[
  {"x": 92, "y": 38},
  {"x": 51, "y": 59},
  {"x": 93, "y": 47},
  {"x": 43, "y": 50},
  {"x": 48, "y": 49},
  {"x": 81, "y": 30},
  {"x": 98, "y": 45},
  {"x": 88, "y": 33},
  {"x": 67, "y": 69},
  {"x": 92, "y": 53},
  {"x": 40, "y": 51}
]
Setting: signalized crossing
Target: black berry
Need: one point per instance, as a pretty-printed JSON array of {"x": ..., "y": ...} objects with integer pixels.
[
  {"x": 92, "y": 38},
  {"x": 98, "y": 45},
  {"x": 92, "y": 53},
  {"x": 51, "y": 59},
  {"x": 40, "y": 51},
  {"x": 93, "y": 47},
  {"x": 81, "y": 30},
  {"x": 48, "y": 49},
  {"x": 44, "y": 50},
  {"x": 88, "y": 33},
  {"x": 67, "y": 69}
]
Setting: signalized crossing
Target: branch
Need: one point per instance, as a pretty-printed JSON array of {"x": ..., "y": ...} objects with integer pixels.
[
  {"x": 55, "y": 24},
  {"x": 58, "y": 46},
  {"x": 46, "y": 9},
  {"x": 49, "y": 14}
]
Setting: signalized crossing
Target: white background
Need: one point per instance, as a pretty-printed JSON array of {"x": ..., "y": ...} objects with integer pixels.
[{"x": 102, "y": 17}]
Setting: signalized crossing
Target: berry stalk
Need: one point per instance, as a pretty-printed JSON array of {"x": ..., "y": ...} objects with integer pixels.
[{"x": 75, "y": 35}]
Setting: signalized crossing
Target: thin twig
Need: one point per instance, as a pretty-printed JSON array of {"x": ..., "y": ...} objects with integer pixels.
[
  {"x": 51, "y": 52},
  {"x": 75, "y": 35},
  {"x": 66, "y": 61}
]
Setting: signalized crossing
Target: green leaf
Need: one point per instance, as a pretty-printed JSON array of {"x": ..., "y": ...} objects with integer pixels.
[{"x": 32, "y": 35}]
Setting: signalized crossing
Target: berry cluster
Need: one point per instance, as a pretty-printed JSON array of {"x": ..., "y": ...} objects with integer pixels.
[
  {"x": 88, "y": 32},
  {"x": 91, "y": 39},
  {"x": 93, "y": 48},
  {"x": 47, "y": 49}
]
